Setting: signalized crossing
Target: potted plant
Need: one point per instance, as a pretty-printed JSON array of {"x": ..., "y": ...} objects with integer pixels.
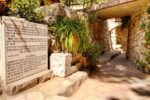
[{"x": 73, "y": 36}]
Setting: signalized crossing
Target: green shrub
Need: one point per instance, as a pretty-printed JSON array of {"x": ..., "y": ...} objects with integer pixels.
[
  {"x": 142, "y": 64},
  {"x": 148, "y": 10},
  {"x": 147, "y": 58},
  {"x": 147, "y": 37},
  {"x": 92, "y": 17},
  {"x": 72, "y": 33},
  {"x": 25, "y": 9},
  {"x": 93, "y": 53}
]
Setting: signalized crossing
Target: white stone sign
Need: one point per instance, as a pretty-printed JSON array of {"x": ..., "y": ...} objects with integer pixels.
[{"x": 23, "y": 49}]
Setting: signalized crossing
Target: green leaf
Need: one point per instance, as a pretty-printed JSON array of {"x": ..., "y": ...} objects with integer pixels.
[
  {"x": 148, "y": 25},
  {"x": 147, "y": 35},
  {"x": 143, "y": 26},
  {"x": 148, "y": 10}
]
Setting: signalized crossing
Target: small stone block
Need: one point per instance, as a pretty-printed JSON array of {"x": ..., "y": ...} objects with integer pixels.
[{"x": 60, "y": 63}]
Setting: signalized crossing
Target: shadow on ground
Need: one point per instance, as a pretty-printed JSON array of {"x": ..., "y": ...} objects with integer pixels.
[{"x": 118, "y": 70}]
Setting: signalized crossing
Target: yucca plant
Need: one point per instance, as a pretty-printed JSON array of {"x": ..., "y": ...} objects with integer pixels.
[{"x": 73, "y": 35}]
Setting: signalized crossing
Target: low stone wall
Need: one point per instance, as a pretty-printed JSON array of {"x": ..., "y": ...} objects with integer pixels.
[{"x": 136, "y": 43}]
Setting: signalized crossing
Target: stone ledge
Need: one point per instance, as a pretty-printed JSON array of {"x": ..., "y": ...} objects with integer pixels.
[
  {"x": 72, "y": 83},
  {"x": 111, "y": 4},
  {"x": 28, "y": 82}
]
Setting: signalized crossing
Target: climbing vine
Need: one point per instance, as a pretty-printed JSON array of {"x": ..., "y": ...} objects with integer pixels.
[{"x": 145, "y": 26}]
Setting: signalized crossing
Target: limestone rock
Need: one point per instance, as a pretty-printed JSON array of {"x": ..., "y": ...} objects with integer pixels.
[
  {"x": 70, "y": 13},
  {"x": 57, "y": 10}
]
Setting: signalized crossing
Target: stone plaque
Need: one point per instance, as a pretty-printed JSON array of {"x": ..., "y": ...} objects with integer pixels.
[{"x": 23, "y": 48}]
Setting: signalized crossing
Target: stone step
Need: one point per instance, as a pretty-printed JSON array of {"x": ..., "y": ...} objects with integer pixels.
[
  {"x": 72, "y": 83},
  {"x": 141, "y": 88},
  {"x": 107, "y": 56},
  {"x": 28, "y": 82},
  {"x": 54, "y": 89}
]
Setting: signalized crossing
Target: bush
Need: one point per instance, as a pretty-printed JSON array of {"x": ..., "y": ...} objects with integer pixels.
[
  {"x": 72, "y": 33},
  {"x": 25, "y": 9},
  {"x": 93, "y": 53}
]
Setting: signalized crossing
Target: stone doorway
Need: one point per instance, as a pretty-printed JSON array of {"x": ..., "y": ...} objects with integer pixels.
[{"x": 117, "y": 33}]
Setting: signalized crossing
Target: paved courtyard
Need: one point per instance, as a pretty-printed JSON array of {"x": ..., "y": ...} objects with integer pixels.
[{"x": 116, "y": 80}]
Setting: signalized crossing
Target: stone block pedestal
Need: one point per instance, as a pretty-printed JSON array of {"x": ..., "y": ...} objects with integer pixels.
[{"x": 60, "y": 64}]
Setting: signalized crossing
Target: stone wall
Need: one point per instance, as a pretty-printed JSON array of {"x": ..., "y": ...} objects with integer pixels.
[
  {"x": 136, "y": 48},
  {"x": 99, "y": 34},
  {"x": 104, "y": 32},
  {"x": 122, "y": 36},
  {"x": 106, "y": 37}
]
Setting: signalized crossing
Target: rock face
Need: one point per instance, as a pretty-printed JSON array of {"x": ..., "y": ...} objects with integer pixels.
[
  {"x": 60, "y": 64},
  {"x": 57, "y": 10}
]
